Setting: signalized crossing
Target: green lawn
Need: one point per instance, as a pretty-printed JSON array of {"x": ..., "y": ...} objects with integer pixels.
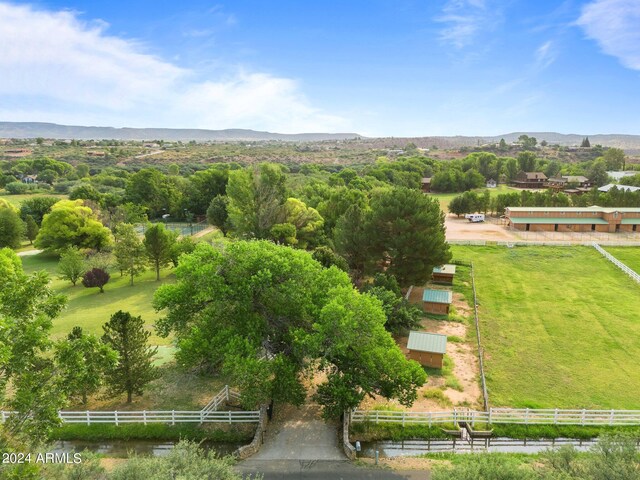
[
  {"x": 445, "y": 198},
  {"x": 90, "y": 309},
  {"x": 630, "y": 256},
  {"x": 559, "y": 327},
  {"x": 18, "y": 199}
]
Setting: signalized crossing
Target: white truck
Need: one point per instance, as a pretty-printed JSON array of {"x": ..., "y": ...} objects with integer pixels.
[{"x": 475, "y": 217}]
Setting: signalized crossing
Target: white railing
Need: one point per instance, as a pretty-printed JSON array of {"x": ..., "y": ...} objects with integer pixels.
[
  {"x": 209, "y": 414},
  {"x": 634, "y": 275},
  {"x": 503, "y": 415}
]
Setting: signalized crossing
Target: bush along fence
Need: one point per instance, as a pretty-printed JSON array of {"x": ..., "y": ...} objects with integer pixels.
[
  {"x": 209, "y": 414},
  {"x": 523, "y": 416},
  {"x": 634, "y": 275}
]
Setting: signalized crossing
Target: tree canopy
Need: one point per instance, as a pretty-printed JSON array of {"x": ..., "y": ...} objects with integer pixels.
[
  {"x": 71, "y": 223},
  {"x": 265, "y": 314}
]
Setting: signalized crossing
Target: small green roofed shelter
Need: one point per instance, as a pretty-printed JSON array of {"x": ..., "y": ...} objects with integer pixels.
[
  {"x": 436, "y": 301},
  {"x": 444, "y": 274},
  {"x": 426, "y": 348}
]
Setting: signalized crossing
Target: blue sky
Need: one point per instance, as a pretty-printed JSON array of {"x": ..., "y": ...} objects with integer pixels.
[{"x": 376, "y": 67}]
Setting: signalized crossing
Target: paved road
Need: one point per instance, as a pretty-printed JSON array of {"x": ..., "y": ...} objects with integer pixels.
[
  {"x": 323, "y": 470},
  {"x": 300, "y": 434}
]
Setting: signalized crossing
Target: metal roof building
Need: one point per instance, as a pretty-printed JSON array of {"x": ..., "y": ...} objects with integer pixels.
[{"x": 427, "y": 348}]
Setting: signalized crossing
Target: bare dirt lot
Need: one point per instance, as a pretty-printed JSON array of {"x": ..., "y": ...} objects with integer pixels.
[
  {"x": 461, "y": 352},
  {"x": 463, "y": 229}
]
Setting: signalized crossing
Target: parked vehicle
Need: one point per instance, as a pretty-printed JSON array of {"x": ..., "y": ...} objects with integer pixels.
[{"x": 475, "y": 217}]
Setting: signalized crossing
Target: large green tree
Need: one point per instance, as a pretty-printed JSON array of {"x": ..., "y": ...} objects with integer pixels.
[
  {"x": 256, "y": 198},
  {"x": 83, "y": 361},
  {"x": 127, "y": 335},
  {"x": 266, "y": 314},
  {"x": 129, "y": 251},
  {"x": 71, "y": 223},
  {"x": 406, "y": 232},
  {"x": 158, "y": 242},
  {"x": 27, "y": 308},
  {"x": 12, "y": 229},
  {"x": 153, "y": 190}
]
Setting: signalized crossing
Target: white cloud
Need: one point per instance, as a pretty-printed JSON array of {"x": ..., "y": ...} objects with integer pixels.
[
  {"x": 463, "y": 19},
  {"x": 614, "y": 24},
  {"x": 545, "y": 55},
  {"x": 55, "y": 67}
]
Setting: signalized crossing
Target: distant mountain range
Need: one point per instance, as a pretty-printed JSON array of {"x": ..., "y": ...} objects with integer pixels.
[{"x": 52, "y": 130}]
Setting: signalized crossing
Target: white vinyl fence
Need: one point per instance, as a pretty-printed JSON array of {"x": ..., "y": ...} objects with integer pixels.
[
  {"x": 634, "y": 275},
  {"x": 209, "y": 414},
  {"x": 524, "y": 416}
]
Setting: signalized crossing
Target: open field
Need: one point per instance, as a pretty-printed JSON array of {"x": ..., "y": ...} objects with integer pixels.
[
  {"x": 559, "y": 327},
  {"x": 90, "y": 309},
  {"x": 630, "y": 256},
  {"x": 18, "y": 199}
]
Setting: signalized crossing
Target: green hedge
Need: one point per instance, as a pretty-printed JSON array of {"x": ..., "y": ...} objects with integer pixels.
[{"x": 156, "y": 431}]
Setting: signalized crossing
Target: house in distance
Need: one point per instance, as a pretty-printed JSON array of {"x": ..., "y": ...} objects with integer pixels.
[{"x": 427, "y": 349}]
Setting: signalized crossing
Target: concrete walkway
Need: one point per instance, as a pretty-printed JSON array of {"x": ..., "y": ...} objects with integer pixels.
[{"x": 300, "y": 434}]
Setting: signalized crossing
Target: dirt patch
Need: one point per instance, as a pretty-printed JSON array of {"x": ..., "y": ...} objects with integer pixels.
[
  {"x": 463, "y": 229},
  {"x": 405, "y": 463},
  {"x": 465, "y": 370}
]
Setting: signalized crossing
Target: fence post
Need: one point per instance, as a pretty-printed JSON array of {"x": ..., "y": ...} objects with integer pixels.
[
  {"x": 555, "y": 417},
  {"x": 611, "y": 418},
  {"x": 230, "y": 421},
  {"x": 4, "y": 417},
  {"x": 144, "y": 416},
  {"x": 116, "y": 416},
  {"x": 582, "y": 419},
  {"x": 526, "y": 417},
  {"x": 403, "y": 416},
  {"x": 88, "y": 418},
  {"x": 226, "y": 389},
  {"x": 201, "y": 417},
  {"x": 173, "y": 417},
  {"x": 430, "y": 415}
]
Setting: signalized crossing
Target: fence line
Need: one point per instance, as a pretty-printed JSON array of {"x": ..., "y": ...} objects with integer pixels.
[
  {"x": 208, "y": 414},
  {"x": 485, "y": 394},
  {"x": 503, "y": 416},
  {"x": 634, "y": 275}
]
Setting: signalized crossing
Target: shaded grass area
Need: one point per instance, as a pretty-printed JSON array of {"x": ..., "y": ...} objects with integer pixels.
[
  {"x": 176, "y": 389},
  {"x": 630, "y": 256},
  {"x": 157, "y": 431},
  {"x": 89, "y": 309},
  {"x": 559, "y": 327}
]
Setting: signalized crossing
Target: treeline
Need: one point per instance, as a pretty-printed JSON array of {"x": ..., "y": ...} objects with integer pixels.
[{"x": 471, "y": 202}]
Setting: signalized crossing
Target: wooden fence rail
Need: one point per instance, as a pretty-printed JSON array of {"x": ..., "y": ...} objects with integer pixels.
[{"x": 503, "y": 415}]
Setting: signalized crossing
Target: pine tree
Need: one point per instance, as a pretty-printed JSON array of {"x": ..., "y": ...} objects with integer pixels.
[
  {"x": 585, "y": 143},
  {"x": 127, "y": 336}
]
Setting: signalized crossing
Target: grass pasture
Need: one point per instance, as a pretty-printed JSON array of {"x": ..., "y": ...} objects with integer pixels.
[
  {"x": 18, "y": 199},
  {"x": 630, "y": 256},
  {"x": 559, "y": 327},
  {"x": 90, "y": 309}
]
